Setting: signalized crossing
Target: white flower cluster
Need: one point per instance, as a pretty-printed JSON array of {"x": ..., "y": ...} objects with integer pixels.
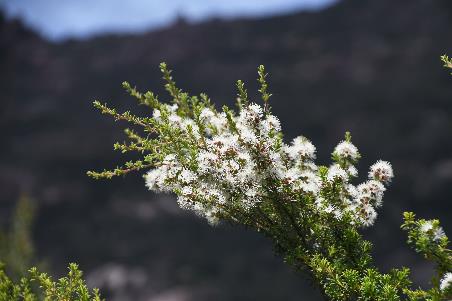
[
  {"x": 434, "y": 232},
  {"x": 381, "y": 171},
  {"x": 361, "y": 200},
  {"x": 446, "y": 281},
  {"x": 346, "y": 150},
  {"x": 243, "y": 161}
]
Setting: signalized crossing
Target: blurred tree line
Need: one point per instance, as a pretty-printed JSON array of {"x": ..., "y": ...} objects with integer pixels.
[
  {"x": 16, "y": 244},
  {"x": 20, "y": 282}
]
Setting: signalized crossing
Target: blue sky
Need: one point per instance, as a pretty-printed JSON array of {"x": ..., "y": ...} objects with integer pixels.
[{"x": 59, "y": 19}]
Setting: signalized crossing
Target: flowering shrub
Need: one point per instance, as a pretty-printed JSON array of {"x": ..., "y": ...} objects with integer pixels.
[{"x": 236, "y": 167}]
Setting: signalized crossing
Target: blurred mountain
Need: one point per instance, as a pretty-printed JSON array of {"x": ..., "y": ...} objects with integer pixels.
[{"x": 371, "y": 67}]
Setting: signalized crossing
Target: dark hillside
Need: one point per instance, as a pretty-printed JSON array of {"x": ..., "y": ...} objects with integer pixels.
[{"x": 371, "y": 67}]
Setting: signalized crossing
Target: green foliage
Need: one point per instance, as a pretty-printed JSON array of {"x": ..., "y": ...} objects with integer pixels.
[
  {"x": 36, "y": 286},
  {"x": 264, "y": 86},
  {"x": 316, "y": 230},
  {"x": 447, "y": 61},
  {"x": 18, "y": 281},
  {"x": 16, "y": 247},
  {"x": 242, "y": 95}
]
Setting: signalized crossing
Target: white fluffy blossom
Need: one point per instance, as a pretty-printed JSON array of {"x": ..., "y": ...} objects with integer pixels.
[
  {"x": 438, "y": 234},
  {"x": 206, "y": 161},
  {"x": 186, "y": 176},
  {"x": 301, "y": 148},
  {"x": 365, "y": 198},
  {"x": 335, "y": 172},
  {"x": 187, "y": 191},
  {"x": 174, "y": 119},
  {"x": 157, "y": 179},
  {"x": 211, "y": 217},
  {"x": 206, "y": 114},
  {"x": 371, "y": 192},
  {"x": 271, "y": 123},
  {"x": 434, "y": 232},
  {"x": 219, "y": 121},
  {"x": 381, "y": 171},
  {"x": 189, "y": 125},
  {"x": 250, "y": 115},
  {"x": 446, "y": 281},
  {"x": 426, "y": 226},
  {"x": 255, "y": 110},
  {"x": 352, "y": 171},
  {"x": 156, "y": 114},
  {"x": 212, "y": 120},
  {"x": 248, "y": 135},
  {"x": 309, "y": 182},
  {"x": 292, "y": 175},
  {"x": 346, "y": 150},
  {"x": 153, "y": 179},
  {"x": 351, "y": 191},
  {"x": 367, "y": 215}
]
